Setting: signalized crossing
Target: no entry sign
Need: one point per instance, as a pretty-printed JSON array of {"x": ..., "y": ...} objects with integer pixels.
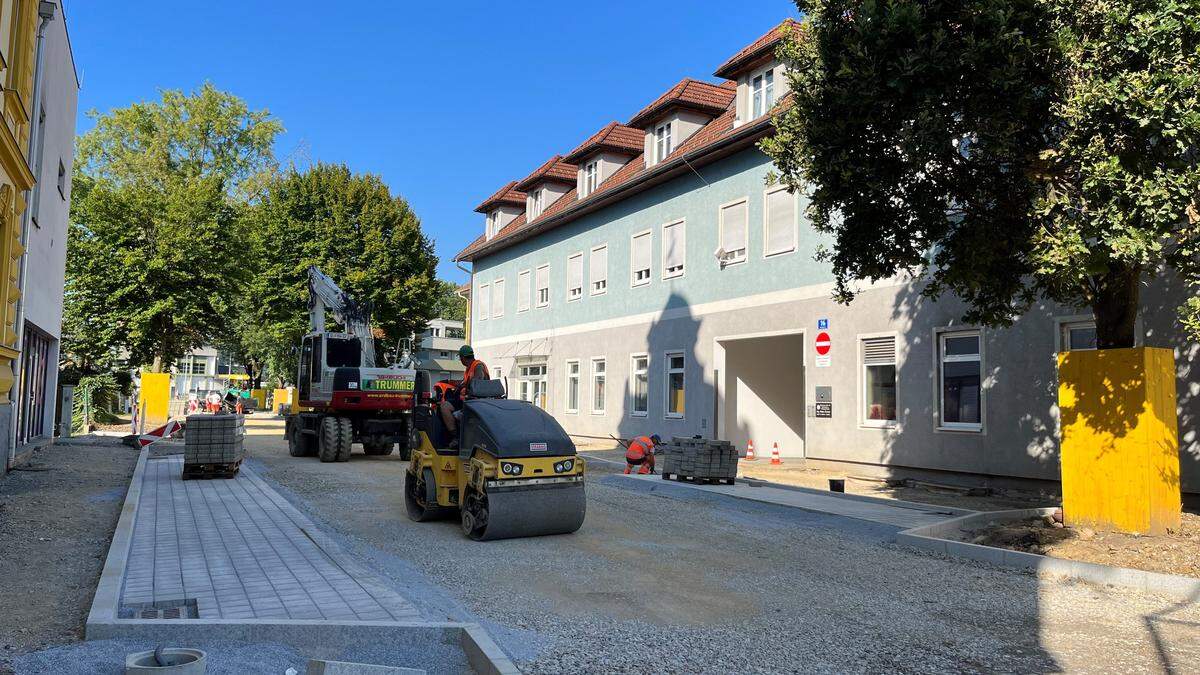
[{"x": 821, "y": 344}]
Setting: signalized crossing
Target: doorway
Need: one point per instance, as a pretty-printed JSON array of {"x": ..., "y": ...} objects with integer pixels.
[{"x": 760, "y": 393}]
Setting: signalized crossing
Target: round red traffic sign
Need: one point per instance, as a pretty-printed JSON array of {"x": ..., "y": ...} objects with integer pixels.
[{"x": 822, "y": 343}]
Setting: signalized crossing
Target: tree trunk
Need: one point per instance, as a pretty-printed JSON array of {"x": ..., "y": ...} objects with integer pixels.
[
  {"x": 156, "y": 366},
  {"x": 1115, "y": 307}
]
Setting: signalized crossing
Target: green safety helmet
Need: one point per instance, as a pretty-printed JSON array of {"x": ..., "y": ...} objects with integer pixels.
[{"x": 465, "y": 352}]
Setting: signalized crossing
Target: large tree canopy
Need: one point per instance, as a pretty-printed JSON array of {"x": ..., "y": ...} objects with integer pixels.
[
  {"x": 353, "y": 229},
  {"x": 153, "y": 251},
  {"x": 1008, "y": 149}
]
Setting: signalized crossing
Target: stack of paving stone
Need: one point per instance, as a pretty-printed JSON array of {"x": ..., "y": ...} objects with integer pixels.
[
  {"x": 213, "y": 446},
  {"x": 699, "y": 459}
]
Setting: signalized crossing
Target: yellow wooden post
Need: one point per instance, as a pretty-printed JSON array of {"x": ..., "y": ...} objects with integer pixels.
[
  {"x": 282, "y": 397},
  {"x": 260, "y": 397},
  {"x": 1120, "y": 443},
  {"x": 156, "y": 399}
]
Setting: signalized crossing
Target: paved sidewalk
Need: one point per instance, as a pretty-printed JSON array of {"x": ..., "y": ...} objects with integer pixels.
[
  {"x": 901, "y": 514},
  {"x": 241, "y": 551}
]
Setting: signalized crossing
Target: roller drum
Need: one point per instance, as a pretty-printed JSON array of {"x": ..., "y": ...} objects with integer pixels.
[{"x": 533, "y": 511}]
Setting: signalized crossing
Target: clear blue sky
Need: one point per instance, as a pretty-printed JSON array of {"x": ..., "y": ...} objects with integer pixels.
[{"x": 445, "y": 100}]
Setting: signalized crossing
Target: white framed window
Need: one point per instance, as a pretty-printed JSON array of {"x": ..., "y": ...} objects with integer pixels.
[
  {"x": 493, "y": 218},
  {"x": 574, "y": 276},
  {"x": 485, "y": 301},
  {"x": 878, "y": 357},
  {"x": 762, "y": 93},
  {"x": 662, "y": 142},
  {"x": 1077, "y": 335},
  {"x": 599, "y": 386},
  {"x": 960, "y": 380},
  {"x": 531, "y": 384},
  {"x": 572, "y": 386},
  {"x": 542, "y": 281},
  {"x": 591, "y": 177},
  {"x": 523, "y": 291},
  {"x": 535, "y": 203},
  {"x": 498, "y": 298},
  {"x": 675, "y": 362},
  {"x": 639, "y": 385},
  {"x": 640, "y": 258},
  {"x": 779, "y": 222},
  {"x": 598, "y": 270},
  {"x": 674, "y": 249},
  {"x": 733, "y": 220}
]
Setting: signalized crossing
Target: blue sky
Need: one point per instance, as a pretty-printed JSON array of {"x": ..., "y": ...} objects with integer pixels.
[{"x": 446, "y": 100}]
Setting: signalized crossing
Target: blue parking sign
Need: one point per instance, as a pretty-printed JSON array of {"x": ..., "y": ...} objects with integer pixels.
[{"x": 822, "y": 324}]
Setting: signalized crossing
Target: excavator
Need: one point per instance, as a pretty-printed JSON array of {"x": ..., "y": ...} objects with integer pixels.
[
  {"x": 514, "y": 472},
  {"x": 344, "y": 398}
]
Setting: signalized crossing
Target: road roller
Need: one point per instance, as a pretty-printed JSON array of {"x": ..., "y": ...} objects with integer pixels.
[{"x": 515, "y": 472}]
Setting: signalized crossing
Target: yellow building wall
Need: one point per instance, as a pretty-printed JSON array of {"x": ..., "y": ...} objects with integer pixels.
[
  {"x": 17, "y": 31},
  {"x": 155, "y": 399},
  {"x": 1120, "y": 443}
]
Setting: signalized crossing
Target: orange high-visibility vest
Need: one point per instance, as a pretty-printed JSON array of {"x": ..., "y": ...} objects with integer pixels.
[
  {"x": 470, "y": 375},
  {"x": 639, "y": 448}
]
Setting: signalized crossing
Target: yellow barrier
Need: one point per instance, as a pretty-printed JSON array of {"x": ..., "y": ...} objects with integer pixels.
[
  {"x": 155, "y": 399},
  {"x": 260, "y": 397},
  {"x": 282, "y": 397},
  {"x": 1120, "y": 443}
]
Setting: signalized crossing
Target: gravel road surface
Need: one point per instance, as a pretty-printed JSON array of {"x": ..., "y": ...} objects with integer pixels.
[{"x": 662, "y": 578}]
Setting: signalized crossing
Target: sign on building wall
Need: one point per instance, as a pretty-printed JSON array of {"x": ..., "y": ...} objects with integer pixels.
[{"x": 821, "y": 345}]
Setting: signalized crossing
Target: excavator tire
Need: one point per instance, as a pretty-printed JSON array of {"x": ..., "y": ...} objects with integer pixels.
[
  {"x": 300, "y": 444},
  {"x": 337, "y": 435}
]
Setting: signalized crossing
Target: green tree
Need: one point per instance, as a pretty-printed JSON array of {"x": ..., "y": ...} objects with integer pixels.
[
  {"x": 352, "y": 228},
  {"x": 153, "y": 251},
  {"x": 450, "y": 304},
  {"x": 1006, "y": 149}
]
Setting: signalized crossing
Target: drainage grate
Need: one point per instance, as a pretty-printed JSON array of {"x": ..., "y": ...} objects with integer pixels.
[{"x": 164, "y": 609}]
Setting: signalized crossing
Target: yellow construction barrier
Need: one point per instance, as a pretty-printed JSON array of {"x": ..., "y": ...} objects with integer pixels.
[
  {"x": 260, "y": 398},
  {"x": 282, "y": 397},
  {"x": 1120, "y": 443},
  {"x": 155, "y": 403}
]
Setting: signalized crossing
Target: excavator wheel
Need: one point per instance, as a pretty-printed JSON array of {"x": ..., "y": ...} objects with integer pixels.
[
  {"x": 300, "y": 444},
  {"x": 337, "y": 435}
]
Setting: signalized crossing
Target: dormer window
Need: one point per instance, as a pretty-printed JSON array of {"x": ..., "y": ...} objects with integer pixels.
[
  {"x": 662, "y": 142},
  {"x": 537, "y": 203},
  {"x": 762, "y": 93},
  {"x": 493, "y": 224},
  {"x": 591, "y": 177}
]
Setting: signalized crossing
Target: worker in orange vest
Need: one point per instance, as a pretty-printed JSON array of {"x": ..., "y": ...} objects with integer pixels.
[
  {"x": 640, "y": 453},
  {"x": 451, "y": 406}
]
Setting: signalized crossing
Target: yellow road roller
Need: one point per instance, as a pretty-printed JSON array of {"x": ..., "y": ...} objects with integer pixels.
[{"x": 515, "y": 472}]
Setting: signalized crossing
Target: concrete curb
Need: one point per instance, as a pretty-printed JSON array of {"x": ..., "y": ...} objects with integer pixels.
[
  {"x": 482, "y": 653},
  {"x": 934, "y": 538}
]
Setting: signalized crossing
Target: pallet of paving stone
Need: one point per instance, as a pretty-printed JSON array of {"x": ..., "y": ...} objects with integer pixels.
[
  {"x": 699, "y": 459},
  {"x": 212, "y": 470},
  {"x": 698, "y": 480},
  {"x": 214, "y": 439}
]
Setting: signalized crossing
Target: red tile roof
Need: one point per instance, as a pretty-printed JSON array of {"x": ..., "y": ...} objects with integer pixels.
[
  {"x": 615, "y": 137},
  {"x": 505, "y": 195},
  {"x": 553, "y": 169},
  {"x": 756, "y": 50},
  {"x": 692, "y": 94}
]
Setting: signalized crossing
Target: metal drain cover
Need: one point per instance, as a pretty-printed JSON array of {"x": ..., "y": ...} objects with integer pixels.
[{"x": 163, "y": 609}]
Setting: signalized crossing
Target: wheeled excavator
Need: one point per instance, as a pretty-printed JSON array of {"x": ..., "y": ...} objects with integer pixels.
[{"x": 344, "y": 398}]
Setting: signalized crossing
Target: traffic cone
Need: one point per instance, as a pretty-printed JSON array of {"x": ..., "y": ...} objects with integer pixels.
[
  {"x": 775, "y": 455},
  {"x": 750, "y": 457}
]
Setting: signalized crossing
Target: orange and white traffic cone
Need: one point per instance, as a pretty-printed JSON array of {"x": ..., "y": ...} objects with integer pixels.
[
  {"x": 775, "y": 455},
  {"x": 750, "y": 456}
]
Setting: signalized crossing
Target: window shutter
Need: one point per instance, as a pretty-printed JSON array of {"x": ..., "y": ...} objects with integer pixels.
[
  {"x": 599, "y": 264},
  {"x": 781, "y": 222},
  {"x": 641, "y": 252},
  {"x": 673, "y": 248},
  {"x": 879, "y": 351},
  {"x": 543, "y": 278},
  {"x": 574, "y": 272},
  {"x": 498, "y": 298},
  {"x": 485, "y": 301},
  {"x": 733, "y": 228},
  {"x": 523, "y": 291}
]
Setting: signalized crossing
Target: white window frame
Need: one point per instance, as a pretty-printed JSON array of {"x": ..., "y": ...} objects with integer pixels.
[
  {"x": 536, "y": 203},
  {"x": 633, "y": 372},
  {"x": 524, "y": 300},
  {"x": 493, "y": 217},
  {"x": 668, "y": 371},
  {"x": 498, "y": 288},
  {"x": 582, "y": 277},
  {"x": 484, "y": 291},
  {"x": 1063, "y": 324},
  {"x": 592, "y": 272},
  {"x": 663, "y": 257},
  {"x": 767, "y": 253},
  {"x": 537, "y": 294},
  {"x": 940, "y": 335},
  {"x": 633, "y": 280},
  {"x": 592, "y": 388},
  {"x": 863, "y": 420},
  {"x": 663, "y": 141},
  {"x": 591, "y": 177},
  {"x": 577, "y": 376},
  {"x": 745, "y": 232}
]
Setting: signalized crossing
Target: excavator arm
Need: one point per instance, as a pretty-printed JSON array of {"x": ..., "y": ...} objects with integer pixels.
[{"x": 324, "y": 294}]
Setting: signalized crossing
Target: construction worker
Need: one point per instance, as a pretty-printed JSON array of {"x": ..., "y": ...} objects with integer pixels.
[
  {"x": 451, "y": 408},
  {"x": 640, "y": 453}
]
